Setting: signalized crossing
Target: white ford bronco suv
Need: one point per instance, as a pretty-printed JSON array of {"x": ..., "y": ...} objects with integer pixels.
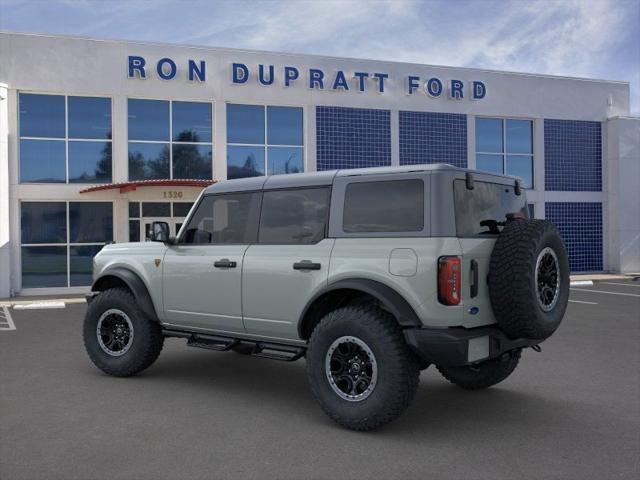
[{"x": 371, "y": 275}]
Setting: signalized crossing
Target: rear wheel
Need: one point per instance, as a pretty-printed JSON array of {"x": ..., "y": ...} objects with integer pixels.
[
  {"x": 359, "y": 367},
  {"x": 482, "y": 375},
  {"x": 118, "y": 337}
]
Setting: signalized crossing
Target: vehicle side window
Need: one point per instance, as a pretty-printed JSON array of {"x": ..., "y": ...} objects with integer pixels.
[
  {"x": 225, "y": 218},
  {"x": 295, "y": 216},
  {"x": 384, "y": 206}
]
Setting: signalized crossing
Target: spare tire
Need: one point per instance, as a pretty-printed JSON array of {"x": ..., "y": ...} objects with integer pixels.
[{"x": 529, "y": 279}]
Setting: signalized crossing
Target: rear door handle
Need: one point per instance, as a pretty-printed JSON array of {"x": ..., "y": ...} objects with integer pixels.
[
  {"x": 306, "y": 265},
  {"x": 474, "y": 279},
  {"x": 224, "y": 263}
]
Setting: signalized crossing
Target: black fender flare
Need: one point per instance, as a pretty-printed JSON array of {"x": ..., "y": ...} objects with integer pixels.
[
  {"x": 135, "y": 284},
  {"x": 393, "y": 301}
]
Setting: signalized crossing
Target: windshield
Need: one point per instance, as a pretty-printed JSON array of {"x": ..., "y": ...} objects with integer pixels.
[{"x": 484, "y": 210}]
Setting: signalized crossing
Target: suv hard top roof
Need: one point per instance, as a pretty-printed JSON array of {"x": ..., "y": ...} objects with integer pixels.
[{"x": 311, "y": 179}]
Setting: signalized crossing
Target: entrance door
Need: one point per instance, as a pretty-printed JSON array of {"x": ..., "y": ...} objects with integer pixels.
[{"x": 202, "y": 272}]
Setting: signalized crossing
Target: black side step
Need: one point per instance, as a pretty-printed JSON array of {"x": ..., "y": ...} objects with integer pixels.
[{"x": 212, "y": 342}]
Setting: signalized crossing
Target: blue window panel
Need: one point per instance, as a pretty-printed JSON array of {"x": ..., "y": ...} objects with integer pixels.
[
  {"x": 244, "y": 161},
  {"x": 245, "y": 124},
  {"x": 285, "y": 160},
  {"x": 573, "y": 155},
  {"x": 44, "y": 267},
  {"x": 520, "y": 166},
  {"x": 41, "y": 115},
  {"x": 148, "y": 161},
  {"x": 148, "y": 119},
  {"x": 42, "y": 161},
  {"x": 428, "y": 137},
  {"x": 43, "y": 222},
  {"x": 192, "y": 122},
  {"x": 90, "y": 222},
  {"x": 89, "y": 162},
  {"x": 489, "y": 135},
  {"x": 489, "y": 162},
  {"x": 89, "y": 117},
  {"x": 81, "y": 264},
  {"x": 352, "y": 138},
  {"x": 284, "y": 126},
  {"x": 192, "y": 161},
  {"x": 519, "y": 136},
  {"x": 580, "y": 225}
]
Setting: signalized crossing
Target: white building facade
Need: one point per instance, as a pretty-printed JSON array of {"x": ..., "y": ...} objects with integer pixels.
[{"x": 98, "y": 138}]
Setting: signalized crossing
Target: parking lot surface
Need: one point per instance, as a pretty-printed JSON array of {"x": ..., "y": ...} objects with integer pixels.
[{"x": 572, "y": 411}]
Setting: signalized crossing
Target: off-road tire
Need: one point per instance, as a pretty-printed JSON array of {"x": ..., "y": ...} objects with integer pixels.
[
  {"x": 512, "y": 279},
  {"x": 147, "y": 338},
  {"x": 482, "y": 375},
  {"x": 397, "y": 367}
]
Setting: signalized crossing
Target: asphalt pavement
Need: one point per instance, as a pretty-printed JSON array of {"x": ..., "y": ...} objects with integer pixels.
[{"x": 569, "y": 412}]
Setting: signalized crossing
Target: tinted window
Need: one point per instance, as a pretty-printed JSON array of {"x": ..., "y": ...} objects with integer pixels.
[
  {"x": 89, "y": 117},
  {"x": 387, "y": 206},
  {"x": 44, "y": 267},
  {"x": 148, "y": 161},
  {"x": 134, "y": 230},
  {"x": 245, "y": 124},
  {"x": 42, "y": 161},
  {"x": 191, "y": 122},
  {"x": 90, "y": 222},
  {"x": 89, "y": 162},
  {"x": 81, "y": 264},
  {"x": 156, "y": 209},
  {"x": 285, "y": 160},
  {"x": 245, "y": 162},
  {"x": 41, "y": 116},
  {"x": 488, "y": 203},
  {"x": 519, "y": 136},
  {"x": 148, "y": 120},
  {"x": 294, "y": 216},
  {"x": 192, "y": 161},
  {"x": 181, "y": 209},
  {"x": 284, "y": 125},
  {"x": 221, "y": 219},
  {"x": 489, "y": 135},
  {"x": 134, "y": 210},
  {"x": 43, "y": 222}
]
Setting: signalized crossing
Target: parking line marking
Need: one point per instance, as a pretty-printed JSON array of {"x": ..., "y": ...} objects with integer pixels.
[
  {"x": 622, "y": 284},
  {"x": 610, "y": 293},
  {"x": 8, "y": 320},
  {"x": 580, "y": 301}
]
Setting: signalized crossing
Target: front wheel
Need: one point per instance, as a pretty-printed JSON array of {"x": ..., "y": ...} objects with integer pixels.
[
  {"x": 359, "y": 367},
  {"x": 482, "y": 375},
  {"x": 118, "y": 337}
]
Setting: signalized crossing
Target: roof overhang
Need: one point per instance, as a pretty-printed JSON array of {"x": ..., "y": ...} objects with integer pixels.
[{"x": 125, "y": 187}]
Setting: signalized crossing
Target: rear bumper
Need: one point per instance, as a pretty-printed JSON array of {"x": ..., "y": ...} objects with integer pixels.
[{"x": 461, "y": 346}]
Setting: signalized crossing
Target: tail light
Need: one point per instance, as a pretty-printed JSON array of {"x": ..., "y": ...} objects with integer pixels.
[{"x": 449, "y": 280}]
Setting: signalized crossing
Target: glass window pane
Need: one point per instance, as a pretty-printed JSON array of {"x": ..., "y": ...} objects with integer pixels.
[
  {"x": 245, "y": 162},
  {"x": 181, "y": 209},
  {"x": 489, "y": 135},
  {"x": 41, "y": 115},
  {"x": 42, "y": 161},
  {"x": 43, "y": 222},
  {"x": 134, "y": 230},
  {"x": 192, "y": 161},
  {"x": 44, "y": 267},
  {"x": 532, "y": 209},
  {"x": 220, "y": 219},
  {"x": 148, "y": 161},
  {"x": 384, "y": 206},
  {"x": 294, "y": 216},
  {"x": 519, "y": 136},
  {"x": 156, "y": 209},
  {"x": 90, "y": 222},
  {"x": 191, "y": 121},
  {"x": 521, "y": 166},
  {"x": 81, "y": 264},
  {"x": 148, "y": 120},
  {"x": 489, "y": 163},
  {"x": 89, "y": 117},
  {"x": 134, "y": 210},
  {"x": 285, "y": 160},
  {"x": 284, "y": 125},
  {"x": 89, "y": 162},
  {"x": 245, "y": 124}
]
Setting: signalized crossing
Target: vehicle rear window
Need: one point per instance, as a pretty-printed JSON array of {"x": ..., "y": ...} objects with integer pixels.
[
  {"x": 384, "y": 206},
  {"x": 295, "y": 216},
  {"x": 483, "y": 210}
]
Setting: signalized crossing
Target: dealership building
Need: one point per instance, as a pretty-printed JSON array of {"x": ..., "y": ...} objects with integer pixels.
[{"x": 99, "y": 138}]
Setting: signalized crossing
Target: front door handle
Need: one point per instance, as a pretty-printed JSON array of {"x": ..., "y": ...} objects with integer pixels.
[
  {"x": 224, "y": 263},
  {"x": 306, "y": 265}
]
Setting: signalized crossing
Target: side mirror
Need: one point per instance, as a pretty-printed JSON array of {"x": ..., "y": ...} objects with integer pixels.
[{"x": 160, "y": 232}]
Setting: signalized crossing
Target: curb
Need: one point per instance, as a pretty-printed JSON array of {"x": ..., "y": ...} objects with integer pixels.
[
  {"x": 23, "y": 304},
  {"x": 581, "y": 283}
]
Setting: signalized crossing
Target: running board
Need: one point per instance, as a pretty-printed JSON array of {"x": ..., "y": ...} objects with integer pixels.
[{"x": 274, "y": 351}]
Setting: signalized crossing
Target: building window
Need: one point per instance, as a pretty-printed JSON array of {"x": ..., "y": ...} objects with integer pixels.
[
  {"x": 505, "y": 146},
  {"x": 65, "y": 139},
  {"x": 170, "y": 140},
  {"x": 264, "y": 140},
  {"x": 172, "y": 213},
  {"x": 60, "y": 239}
]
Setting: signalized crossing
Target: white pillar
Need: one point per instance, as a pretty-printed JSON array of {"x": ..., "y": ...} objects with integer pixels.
[{"x": 5, "y": 244}]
